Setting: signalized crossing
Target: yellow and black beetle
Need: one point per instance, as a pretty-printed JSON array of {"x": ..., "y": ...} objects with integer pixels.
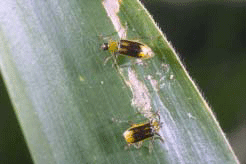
[
  {"x": 137, "y": 133},
  {"x": 129, "y": 48}
]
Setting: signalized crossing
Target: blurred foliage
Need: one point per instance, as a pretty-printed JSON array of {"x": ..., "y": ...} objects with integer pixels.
[
  {"x": 210, "y": 38},
  {"x": 13, "y": 148}
]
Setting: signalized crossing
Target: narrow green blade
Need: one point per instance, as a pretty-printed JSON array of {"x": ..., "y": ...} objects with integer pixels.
[{"x": 72, "y": 108}]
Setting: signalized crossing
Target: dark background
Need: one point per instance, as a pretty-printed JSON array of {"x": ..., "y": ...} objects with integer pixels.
[{"x": 211, "y": 40}]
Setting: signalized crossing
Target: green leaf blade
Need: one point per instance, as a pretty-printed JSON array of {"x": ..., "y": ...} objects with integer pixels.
[{"x": 66, "y": 98}]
